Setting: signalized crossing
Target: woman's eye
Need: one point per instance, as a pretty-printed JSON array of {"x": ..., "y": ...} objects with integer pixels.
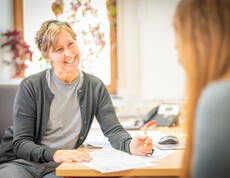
[
  {"x": 71, "y": 43},
  {"x": 59, "y": 49}
]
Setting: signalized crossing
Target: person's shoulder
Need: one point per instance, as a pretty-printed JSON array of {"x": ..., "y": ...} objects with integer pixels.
[
  {"x": 214, "y": 99},
  {"x": 216, "y": 91},
  {"x": 92, "y": 78},
  {"x": 34, "y": 79},
  {"x": 213, "y": 106}
]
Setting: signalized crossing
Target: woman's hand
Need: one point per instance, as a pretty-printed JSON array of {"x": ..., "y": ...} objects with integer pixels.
[
  {"x": 70, "y": 156},
  {"x": 141, "y": 145}
]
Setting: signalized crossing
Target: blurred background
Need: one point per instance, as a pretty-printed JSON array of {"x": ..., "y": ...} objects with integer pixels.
[{"x": 132, "y": 48}]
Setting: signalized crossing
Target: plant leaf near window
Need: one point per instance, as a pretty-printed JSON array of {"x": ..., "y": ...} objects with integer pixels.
[{"x": 20, "y": 50}]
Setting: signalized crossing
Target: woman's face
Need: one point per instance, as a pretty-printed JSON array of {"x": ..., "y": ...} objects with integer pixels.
[{"x": 65, "y": 58}]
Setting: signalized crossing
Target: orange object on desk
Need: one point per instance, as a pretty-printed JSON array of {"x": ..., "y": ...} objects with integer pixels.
[{"x": 148, "y": 124}]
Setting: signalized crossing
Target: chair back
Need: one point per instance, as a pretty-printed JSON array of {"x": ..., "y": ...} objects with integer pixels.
[{"x": 7, "y": 95}]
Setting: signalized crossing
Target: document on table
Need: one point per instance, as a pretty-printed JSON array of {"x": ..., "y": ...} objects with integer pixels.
[
  {"x": 109, "y": 160},
  {"x": 97, "y": 139}
]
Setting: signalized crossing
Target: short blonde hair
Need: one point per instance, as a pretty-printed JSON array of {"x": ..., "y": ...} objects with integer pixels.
[{"x": 46, "y": 36}]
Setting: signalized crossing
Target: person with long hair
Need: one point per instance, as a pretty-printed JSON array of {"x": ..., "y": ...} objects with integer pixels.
[{"x": 203, "y": 42}]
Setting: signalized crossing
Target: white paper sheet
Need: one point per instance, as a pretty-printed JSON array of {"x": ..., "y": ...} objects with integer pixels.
[
  {"x": 109, "y": 160},
  {"x": 97, "y": 139}
]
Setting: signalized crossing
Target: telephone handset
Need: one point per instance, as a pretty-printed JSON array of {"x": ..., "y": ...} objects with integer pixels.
[
  {"x": 164, "y": 114},
  {"x": 148, "y": 117}
]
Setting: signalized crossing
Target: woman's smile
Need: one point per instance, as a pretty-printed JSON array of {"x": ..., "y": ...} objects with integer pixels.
[
  {"x": 65, "y": 57},
  {"x": 71, "y": 61}
]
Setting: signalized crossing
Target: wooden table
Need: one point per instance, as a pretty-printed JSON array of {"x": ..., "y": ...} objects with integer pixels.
[{"x": 167, "y": 167}]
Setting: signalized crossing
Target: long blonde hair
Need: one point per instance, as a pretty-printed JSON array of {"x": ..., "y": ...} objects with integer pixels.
[{"x": 203, "y": 29}]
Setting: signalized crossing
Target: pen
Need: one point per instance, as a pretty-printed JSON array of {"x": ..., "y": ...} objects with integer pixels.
[
  {"x": 145, "y": 132},
  {"x": 148, "y": 124}
]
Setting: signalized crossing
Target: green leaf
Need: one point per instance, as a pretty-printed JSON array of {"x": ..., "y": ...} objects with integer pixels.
[{"x": 40, "y": 59}]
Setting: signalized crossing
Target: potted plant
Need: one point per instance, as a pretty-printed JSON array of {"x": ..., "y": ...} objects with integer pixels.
[{"x": 20, "y": 50}]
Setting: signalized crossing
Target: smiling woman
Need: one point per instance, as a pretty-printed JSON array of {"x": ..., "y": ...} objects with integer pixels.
[
  {"x": 57, "y": 42},
  {"x": 54, "y": 110},
  {"x": 108, "y": 73}
]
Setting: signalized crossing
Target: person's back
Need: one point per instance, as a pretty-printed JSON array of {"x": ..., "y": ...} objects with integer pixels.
[
  {"x": 211, "y": 140},
  {"x": 203, "y": 40}
]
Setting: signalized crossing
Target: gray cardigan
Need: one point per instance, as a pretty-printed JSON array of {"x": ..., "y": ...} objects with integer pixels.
[{"x": 31, "y": 114}]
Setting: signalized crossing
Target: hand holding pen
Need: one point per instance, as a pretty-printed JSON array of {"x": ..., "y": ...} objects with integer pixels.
[
  {"x": 146, "y": 126},
  {"x": 141, "y": 144}
]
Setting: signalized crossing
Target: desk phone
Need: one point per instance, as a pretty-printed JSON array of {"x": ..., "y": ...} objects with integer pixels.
[{"x": 164, "y": 114}]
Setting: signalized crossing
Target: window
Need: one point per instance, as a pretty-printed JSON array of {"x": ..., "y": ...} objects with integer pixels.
[{"x": 104, "y": 66}]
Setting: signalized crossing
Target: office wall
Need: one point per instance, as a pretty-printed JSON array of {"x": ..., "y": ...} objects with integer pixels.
[{"x": 147, "y": 58}]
